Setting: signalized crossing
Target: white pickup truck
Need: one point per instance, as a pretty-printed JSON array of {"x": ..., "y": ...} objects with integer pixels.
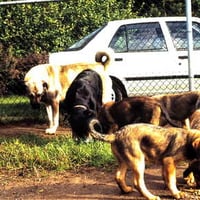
[{"x": 148, "y": 54}]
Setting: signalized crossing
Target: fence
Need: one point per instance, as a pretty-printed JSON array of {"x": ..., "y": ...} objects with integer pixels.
[{"x": 16, "y": 108}]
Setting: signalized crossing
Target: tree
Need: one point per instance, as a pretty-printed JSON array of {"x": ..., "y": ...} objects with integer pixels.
[{"x": 31, "y": 28}]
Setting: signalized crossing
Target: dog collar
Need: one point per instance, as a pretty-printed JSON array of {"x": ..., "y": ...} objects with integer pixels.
[{"x": 80, "y": 106}]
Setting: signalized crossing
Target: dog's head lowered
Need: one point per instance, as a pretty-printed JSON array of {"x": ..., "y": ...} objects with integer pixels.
[
  {"x": 36, "y": 93},
  {"x": 38, "y": 83},
  {"x": 80, "y": 119}
]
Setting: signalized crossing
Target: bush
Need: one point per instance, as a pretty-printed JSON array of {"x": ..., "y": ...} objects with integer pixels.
[{"x": 13, "y": 70}]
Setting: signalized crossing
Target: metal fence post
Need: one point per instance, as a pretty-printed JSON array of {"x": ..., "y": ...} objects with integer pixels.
[{"x": 190, "y": 44}]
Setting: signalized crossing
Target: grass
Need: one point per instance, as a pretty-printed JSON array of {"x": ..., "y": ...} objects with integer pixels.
[
  {"x": 30, "y": 152},
  {"x": 18, "y": 109}
]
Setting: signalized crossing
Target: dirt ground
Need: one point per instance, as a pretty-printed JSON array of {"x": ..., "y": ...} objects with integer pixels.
[{"x": 86, "y": 183}]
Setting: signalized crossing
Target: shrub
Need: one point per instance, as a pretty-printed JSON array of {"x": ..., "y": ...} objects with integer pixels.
[{"x": 13, "y": 70}]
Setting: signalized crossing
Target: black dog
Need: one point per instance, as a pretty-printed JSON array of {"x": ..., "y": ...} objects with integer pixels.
[{"x": 82, "y": 102}]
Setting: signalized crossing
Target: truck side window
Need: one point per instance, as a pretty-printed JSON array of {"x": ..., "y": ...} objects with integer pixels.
[
  {"x": 146, "y": 37},
  {"x": 119, "y": 41},
  {"x": 196, "y": 35},
  {"x": 178, "y": 31},
  {"x": 139, "y": 37}
]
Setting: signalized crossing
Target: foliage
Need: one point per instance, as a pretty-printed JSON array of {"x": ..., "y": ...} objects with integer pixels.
[
  {"x": 159, "y": 8},
  {"x": 53, "y": 26},
  {"x": 13, "y": 70}
]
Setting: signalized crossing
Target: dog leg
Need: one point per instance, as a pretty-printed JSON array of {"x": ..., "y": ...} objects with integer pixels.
[
  {"x": 138, "y": 167},
  {"x": 188, "y": 175},
  {"x": 190, "y": 180},
  {"x": 50, "y": 117},
  {"x": 53, "y": 115},
  {"x": 187, "y": 124},
  {"x": 169, "y": 175},
  {"x": 121, "y": 178},
  {"x": 156, "y": 116}
]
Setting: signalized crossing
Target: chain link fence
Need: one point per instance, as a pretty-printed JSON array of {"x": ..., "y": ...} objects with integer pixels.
[
  {"x": 17, "y": 109},
  {"x": 159, "y": 86}
]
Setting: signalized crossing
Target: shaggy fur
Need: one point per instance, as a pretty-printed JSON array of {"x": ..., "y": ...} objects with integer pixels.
[
  {"x": 133, "y": 144},
  {"x": 180, "y": 106},
  {"x": 137, "y": 109},
  {"x": 194, "y": 120}
]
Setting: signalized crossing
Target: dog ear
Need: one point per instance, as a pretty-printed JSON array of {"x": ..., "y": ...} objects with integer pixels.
[
  {"x": 196, "y": 143},
  {"x": 45, "y": 86}
]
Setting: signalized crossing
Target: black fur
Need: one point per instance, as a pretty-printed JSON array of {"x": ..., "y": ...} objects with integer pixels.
[
  {"x": 194, "y": 168},
  {"x": 82, "y": 102},
  {"x": 118, "y": 88}
]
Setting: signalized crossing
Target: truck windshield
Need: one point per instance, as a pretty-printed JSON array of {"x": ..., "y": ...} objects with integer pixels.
[{"x": 84, "y": 41}]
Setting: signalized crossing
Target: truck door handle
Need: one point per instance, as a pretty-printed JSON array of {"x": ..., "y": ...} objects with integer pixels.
[
  {"x": 183, "y": 57},
  {"x": 118, "y": 59}
]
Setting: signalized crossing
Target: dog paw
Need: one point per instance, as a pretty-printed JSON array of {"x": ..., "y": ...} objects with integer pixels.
[
  {"x": 155, "y": 198},
  {"x": 50, "y": 131},
  {"x": 190, "y": 180},
  {"x": 180, "y": 195},
  {"x": 126, "y": 190}
]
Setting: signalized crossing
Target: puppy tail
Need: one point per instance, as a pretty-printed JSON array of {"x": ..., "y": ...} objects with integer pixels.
[
  {"x": 171, "y": 122},
  {"x": 103, "y": 58},
  {"x": 99, "y": 136}
]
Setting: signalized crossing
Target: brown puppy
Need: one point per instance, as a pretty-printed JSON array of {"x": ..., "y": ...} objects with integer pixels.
[
  {"x": 137, "y": 109},
  {"x": 48, "y": 84},
  {"x": 192, "y": 173},
  {"x": 180, "y": 106},
  {"x": 135, "y": 143}
]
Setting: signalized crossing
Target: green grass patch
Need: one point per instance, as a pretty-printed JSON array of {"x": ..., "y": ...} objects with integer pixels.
[
  {"x": 30, "y": 152},
  {"x": 13, "y": 100},
  {"x": 18, "y": 109}
]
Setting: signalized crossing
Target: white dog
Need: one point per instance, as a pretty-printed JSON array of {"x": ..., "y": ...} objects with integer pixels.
[{"x": 48, "y": 84}]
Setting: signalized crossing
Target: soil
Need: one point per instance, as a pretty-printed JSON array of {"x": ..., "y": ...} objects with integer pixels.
[{"x": 86, "y": 183}]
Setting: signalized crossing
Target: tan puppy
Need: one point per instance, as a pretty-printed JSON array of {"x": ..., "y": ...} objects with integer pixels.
[
  {"x": 135, "y": 143},
  {"x": 48, "y": 84}
]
